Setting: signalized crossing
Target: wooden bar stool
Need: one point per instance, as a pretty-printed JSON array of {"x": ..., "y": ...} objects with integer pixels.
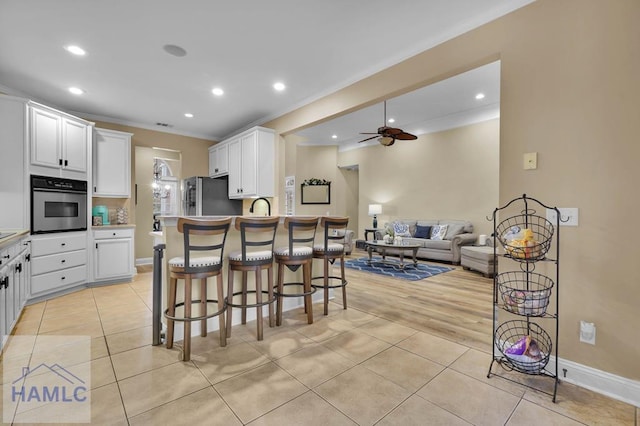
[
  {"x": 299, "y": 252},
  {"x": 200, "y": 236},
  {"x": 332, "y": 248},
  {"x": 254, "y": 232}
]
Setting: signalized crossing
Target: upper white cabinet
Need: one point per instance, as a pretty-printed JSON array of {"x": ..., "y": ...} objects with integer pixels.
[
  {"x": 58, "y": 142},
  {"x": 219, "y": 159},
  {"x": 111, "y": 163},
  {"x": 251, "y": 164}
]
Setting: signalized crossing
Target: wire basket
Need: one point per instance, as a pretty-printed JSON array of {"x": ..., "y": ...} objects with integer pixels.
[
  {"x": 509, "y": 335},
  {"x": 524, "y": 293},
  {"x": 525, "y": 237}
]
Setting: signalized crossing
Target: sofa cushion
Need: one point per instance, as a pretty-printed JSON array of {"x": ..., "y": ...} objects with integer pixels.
[
  {"x": 467, "y": 226},
  {"x": 410, "y": 240},
  {"x": 437, "y": 244},
  {"x": 423, "y": 232},
  {"x": 438, "y": 232},
  {"x": 453, "y": 230}
]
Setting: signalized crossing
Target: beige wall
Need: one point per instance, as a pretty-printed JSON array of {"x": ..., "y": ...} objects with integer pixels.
[
  {"x": 445, "y": 175},
  {"x": 569, "y": 91}
]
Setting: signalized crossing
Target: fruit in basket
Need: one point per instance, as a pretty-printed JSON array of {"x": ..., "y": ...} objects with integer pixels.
[{"x": 524, "y": 245}]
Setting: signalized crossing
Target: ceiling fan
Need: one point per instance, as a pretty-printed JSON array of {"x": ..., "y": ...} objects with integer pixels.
[{"x": 387, "y": 135}]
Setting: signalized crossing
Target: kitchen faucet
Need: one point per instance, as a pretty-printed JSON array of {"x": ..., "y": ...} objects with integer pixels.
[{"x": 266, "y": 201}]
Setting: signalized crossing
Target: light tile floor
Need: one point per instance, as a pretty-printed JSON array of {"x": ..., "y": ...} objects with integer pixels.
[{"x": 348, "y": 368}]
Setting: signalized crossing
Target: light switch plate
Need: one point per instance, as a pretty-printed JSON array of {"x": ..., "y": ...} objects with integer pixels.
[
  {"x": 568, "y": 216},
  {"x": 530, "y": 161}
]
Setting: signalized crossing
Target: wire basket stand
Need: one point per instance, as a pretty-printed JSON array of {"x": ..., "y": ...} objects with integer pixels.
[{"x": 520, "y": 344}]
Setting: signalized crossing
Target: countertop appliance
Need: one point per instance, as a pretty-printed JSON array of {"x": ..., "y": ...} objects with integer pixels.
[
  {"x": 205, "y": 196},
  {"x": 58, "y": 205}
]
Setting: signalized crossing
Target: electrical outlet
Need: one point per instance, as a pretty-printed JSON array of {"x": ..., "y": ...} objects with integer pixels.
[
  {"x": 588, "y": 332},
  {"x": 568, "y": 216}
]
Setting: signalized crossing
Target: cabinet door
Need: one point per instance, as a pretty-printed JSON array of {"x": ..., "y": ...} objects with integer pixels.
[
  {"x": 235, "y": 169},
  {"x": 46, "y": 134},
  {"x": 3, "y": 303},
  {"x": 249, "y": 165},
  {"x": 74, "y": 145},
  {"x": 213, "y": 160},
  {"x": 113, "y": 258},
  {"x": 112, "y": 164},
  {"x": 222, "y": 159}
]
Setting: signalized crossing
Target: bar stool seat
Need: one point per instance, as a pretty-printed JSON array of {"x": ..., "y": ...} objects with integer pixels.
[
  {"x": 197, "y": 236},
  {"x": 330, "y": 250},
  {"x": 298, "y": 252},
  {"x": 255, "y": 232}
]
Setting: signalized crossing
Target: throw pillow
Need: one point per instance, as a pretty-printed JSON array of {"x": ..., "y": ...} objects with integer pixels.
[
  {"x": 423, "y": 232},
  {"x": 438, "y": 232},
  {"x": 401, "y": 229}
]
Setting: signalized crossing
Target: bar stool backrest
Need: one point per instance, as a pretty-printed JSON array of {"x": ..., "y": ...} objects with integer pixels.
[
  {"x": 302, "y": 231},
  {"x": 335, "y": 230},
  {"x": 257, "y": 232},
  {"x": 193, "y": 230}
]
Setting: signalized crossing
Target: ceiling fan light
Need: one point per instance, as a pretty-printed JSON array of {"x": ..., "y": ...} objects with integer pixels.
[{"x": 386, "y": 141}]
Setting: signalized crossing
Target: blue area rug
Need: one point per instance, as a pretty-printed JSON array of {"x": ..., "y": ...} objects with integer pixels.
[{"x": 392, "y": 268}]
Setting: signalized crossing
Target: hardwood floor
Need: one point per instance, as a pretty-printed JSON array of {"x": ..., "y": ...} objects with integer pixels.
[{"x": 455, "y": 305}]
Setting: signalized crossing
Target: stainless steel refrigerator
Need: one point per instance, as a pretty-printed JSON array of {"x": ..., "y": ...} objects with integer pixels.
[{"x": 205, "y": 196}]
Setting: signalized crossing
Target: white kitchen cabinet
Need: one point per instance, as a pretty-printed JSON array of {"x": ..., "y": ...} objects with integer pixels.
[
  {"x": 59, "y": 143},
  {"x": 219, "y": 159},
  {"x": 113, "y": 258},
  {"x": 58, "y": 262},
  {"x": 14, "y": 278},
  {"x": 111, "y": 163},
  {"x": 14, "y": 186},
  {"x": 251, "y": 164}
]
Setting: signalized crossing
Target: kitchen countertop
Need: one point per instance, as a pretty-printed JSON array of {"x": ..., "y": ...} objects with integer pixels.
[
  {"x": 128, "y": 225},
  {"x": 18, "y": 233}
]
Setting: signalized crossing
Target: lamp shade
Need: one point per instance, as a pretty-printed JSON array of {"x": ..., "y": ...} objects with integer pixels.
[{"x": 375, "y": 209}]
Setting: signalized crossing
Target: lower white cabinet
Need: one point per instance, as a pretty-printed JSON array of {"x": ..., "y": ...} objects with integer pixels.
[
  {"x": 113, "y": 254},
  {"x": 58, "y": 261},
  {"x": 14, "y": 279}
]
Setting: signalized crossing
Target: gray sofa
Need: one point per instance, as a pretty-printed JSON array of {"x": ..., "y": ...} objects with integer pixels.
[{"x": 459, "y": 233}]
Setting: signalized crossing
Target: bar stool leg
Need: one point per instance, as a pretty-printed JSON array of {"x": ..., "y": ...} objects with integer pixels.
[
  {"x": 280, "y": 289},
  {"x": 270, "y": 293},
  {"x": 187, "y": 315},
  {"x": 244, "y": 297},
  {"x": 171, "y": 310},
  {"x": 344, "y": 287},
  {"x": 326, "y": 285},
  {"x": 306, "y": 273},
  {"x": 230, "y": 300},
  {"x": 220, "y": 296},
  {"x": 258, "y": 302},
  {"x": 203, "y": 306}
]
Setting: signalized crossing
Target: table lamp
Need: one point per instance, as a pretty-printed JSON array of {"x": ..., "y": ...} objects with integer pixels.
[{"x": 375, "y": 210}]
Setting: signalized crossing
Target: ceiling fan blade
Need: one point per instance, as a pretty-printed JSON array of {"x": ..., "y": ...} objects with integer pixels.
[
  {"x": 389, "y": 131},
  {"x": 369, "y": 133},
  {"x": 405, "y": 136},
  {"x": 368, "y": 139}
]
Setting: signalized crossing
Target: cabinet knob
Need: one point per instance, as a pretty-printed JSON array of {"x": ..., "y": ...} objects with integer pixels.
[
  {"x": 63, "y": 261},
  {"x": 63, "y": 244},
  {"x": 63, "y": 278},
  {"x": 60, "y": 161},
  {"x": 6, "y": 256},
  {"x": 114, "y": 234},
  {"x": 66, "y": 163}
]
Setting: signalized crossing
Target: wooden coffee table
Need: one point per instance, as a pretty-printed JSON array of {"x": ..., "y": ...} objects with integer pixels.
[{"x": 382, "y": 248}]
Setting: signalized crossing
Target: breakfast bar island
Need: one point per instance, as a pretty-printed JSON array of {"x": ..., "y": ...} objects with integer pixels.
[{"x": 173, "y": 242}]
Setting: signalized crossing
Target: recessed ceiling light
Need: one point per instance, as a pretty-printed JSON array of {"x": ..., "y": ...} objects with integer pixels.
[
  {"x": 188, "y": 115},
  {"x": 76, "y": 90},
  {"x": 334, "y": 137},
  {"x": 279, "y": 86},
  {"x": 174, "y": 50},
  {"x": 217, "y": 91},
  {"x": 76, "y": 50},
  {"x": 480, "y": 96},
  {"x": 391, "y": 120}
]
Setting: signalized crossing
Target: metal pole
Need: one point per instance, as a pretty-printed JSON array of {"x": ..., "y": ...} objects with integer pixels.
[{"x": 158, "y": 251}]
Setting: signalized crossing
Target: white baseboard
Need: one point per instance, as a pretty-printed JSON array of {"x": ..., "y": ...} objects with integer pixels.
[
  {"x": 599, "y": 381},
  {"x": 144, "y": 261}
]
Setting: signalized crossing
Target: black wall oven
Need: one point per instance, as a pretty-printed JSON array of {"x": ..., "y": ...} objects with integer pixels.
[{"x": 58, "y": 205}]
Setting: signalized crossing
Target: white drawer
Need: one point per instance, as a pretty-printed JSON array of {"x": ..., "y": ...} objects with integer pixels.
[
  {"x": 104, "y": 234},
  {"x": 53, "y": 281},
  {"x": 42, "y": 246},
  {"x": 55, "y": 262}
]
